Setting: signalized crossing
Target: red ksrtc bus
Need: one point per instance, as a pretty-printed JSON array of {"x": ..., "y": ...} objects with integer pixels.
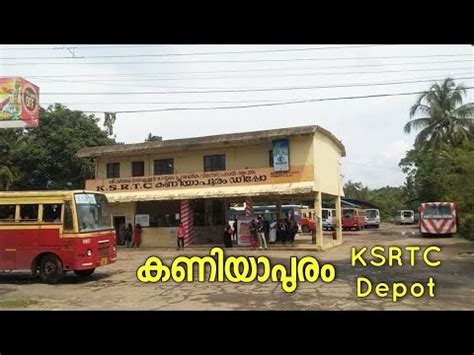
[
  {"x": 353, "y": 218},
  {"x": 52, "y": 232}
]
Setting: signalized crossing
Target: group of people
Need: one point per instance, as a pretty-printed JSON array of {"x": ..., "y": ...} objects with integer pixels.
[
  {"x": 262, "y": 231},
  {"x": 129, "y": 236}
]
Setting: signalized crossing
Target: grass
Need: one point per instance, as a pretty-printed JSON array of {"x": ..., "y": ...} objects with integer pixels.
[{"x": 16, "y": 303}]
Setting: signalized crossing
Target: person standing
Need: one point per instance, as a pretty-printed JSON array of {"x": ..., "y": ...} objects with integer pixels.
[
  {"x": 228, "y": 235},
  {"x": 137, "y": 236},
  {"x": 128, "y": 235},
  {"x": 180, "y": 236},
  {"x": 121, "y": 233},
  {"x": 235, "y": 229},
  {"x": 261, "y": 233}
]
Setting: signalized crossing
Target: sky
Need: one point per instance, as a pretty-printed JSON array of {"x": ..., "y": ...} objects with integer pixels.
[{"x": 115, "y": 78}]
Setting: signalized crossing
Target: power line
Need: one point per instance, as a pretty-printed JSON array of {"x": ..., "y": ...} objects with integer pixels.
[
  {"x": 268, "y": 104},
  {"x": 195, "y": 53},
  {"x": 243, "y": 90},
  {"x": 102, "y": 83},
  {"x": 229, "y": 52},
  {"x": 255, "y": 76},
  {"x": 235, "y": 52},
  {"x": 217, "y": 61},
  {"x": 158, "y": 102},
  {"x": 244, "y": 70}
]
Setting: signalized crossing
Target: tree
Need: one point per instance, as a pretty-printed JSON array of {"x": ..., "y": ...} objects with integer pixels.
[
  {"x": 445, "y": 122},
  {"x": 356, "y": 190},
  {"x": 388, "y": 199},
  {"x": 12, "y": 145},
  {"x": 50, "y": 160}
]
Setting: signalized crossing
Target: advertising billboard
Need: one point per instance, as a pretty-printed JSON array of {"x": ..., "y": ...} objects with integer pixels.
[{"x": 19, "y": 103}]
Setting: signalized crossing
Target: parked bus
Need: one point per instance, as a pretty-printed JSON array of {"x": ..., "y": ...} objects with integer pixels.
[
  {"x": 307, "y": 220},
  {"x": 404, "y": 217},
  {"x": 372, "y": 217},
  {"x": 52, "y": 232},
  {"x": 353, "y": 218},
  {"x": 329, "y": 218},
  {"x": 438, "y": 218}
]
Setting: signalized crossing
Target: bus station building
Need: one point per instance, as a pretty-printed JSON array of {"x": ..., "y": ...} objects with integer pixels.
[{"x": 196, "y": 180}]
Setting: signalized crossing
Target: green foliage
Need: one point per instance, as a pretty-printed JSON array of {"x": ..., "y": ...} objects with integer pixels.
[
  {"x": 388, "y": 199},
  {"x": 50, "y": 160},
  {"x": 12, "y": 146},
  {"x": 440, "y": 167},
  {"x": 444, "y": 121}
]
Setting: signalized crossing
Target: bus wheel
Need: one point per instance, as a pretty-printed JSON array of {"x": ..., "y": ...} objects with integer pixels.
[
  {"x": 84, "y": 273},
  {"x": 305, "y": 228},
  {"x": 51, "y": 269}
]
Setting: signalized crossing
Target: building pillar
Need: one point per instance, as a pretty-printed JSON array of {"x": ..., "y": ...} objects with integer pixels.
[
  {"x": 338, "y": 220},
  {"x": 318, "y": 233},
  {"x": 248, "y": 206},
  {"x": 187, "y": 218}
]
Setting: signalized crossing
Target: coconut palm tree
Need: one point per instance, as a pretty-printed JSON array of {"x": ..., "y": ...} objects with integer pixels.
[{"x": 445, "y": 122}]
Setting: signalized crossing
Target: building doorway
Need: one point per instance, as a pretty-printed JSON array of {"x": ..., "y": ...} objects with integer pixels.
[{"x": 120, "y": 232}]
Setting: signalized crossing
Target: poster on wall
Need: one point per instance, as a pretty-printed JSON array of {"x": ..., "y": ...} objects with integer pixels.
[
  {"x": 281, "y": 156},
  {"x": 142, "y": 219},
  {"x": 19, "y": 103},
  {"x": 243, "y": 231}
]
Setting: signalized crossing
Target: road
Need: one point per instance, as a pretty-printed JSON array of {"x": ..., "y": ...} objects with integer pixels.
[{"x": 116, "y": 286}]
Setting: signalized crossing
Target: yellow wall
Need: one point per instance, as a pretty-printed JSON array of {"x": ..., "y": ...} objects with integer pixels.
[
  {"x": 245, "y": 157},
  {"x": 159, "y": 237},
  {"x": 124, "y": 209},
  {"x": 326, "y": 167}
]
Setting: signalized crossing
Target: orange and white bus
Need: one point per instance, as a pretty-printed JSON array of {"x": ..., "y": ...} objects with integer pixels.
[
  {"x": 52, "y": 232},
  {"x": 438, "y": 218}
]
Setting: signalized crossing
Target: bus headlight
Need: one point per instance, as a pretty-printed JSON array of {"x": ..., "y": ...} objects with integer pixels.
[{"x": 89, "y": 252}]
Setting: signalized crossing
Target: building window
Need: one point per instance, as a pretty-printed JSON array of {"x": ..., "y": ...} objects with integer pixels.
[
  {"x": 270, "y": 158},
  {"x": 138, "y": 168},
  {"x": 113, "y": 170},
  {"x": 214, "y": 162},
  {"x": 161, "y": 213},
  {"x": 164, "y": 167}
]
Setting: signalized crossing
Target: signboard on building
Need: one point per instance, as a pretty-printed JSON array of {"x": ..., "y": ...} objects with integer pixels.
[
  {"x": 142, "y": 219},
  {"x": 19, "y": 103},
  {"x": 281, "y": 155},
  {"x": 206, "y": 179}
]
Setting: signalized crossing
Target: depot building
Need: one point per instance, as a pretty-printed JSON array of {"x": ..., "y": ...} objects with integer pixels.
[{"x": 196, "y": 180}]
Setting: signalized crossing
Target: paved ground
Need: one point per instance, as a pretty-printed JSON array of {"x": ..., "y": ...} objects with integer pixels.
[{"x": 116, "y": 287}]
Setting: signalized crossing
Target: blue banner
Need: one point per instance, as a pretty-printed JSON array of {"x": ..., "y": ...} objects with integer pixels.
[{"x": 281, "y": 155}]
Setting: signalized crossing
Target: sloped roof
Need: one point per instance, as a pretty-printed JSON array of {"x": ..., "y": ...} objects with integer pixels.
[{"x": 138, "y": 148}]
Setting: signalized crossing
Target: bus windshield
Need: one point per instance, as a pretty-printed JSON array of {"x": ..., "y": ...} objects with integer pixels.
[
  {"x": 93, "y": 212},
  {"x": 433, "y": 210},
  {"x": 371, "y": 213}
]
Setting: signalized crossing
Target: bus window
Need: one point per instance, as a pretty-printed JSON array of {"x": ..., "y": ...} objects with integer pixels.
[
  {"x": 28, "y": 213},
  {"x": 7, "y": 213},
  {"x": 67, "y": 222},
  {"x": 52, "y": 213}
]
